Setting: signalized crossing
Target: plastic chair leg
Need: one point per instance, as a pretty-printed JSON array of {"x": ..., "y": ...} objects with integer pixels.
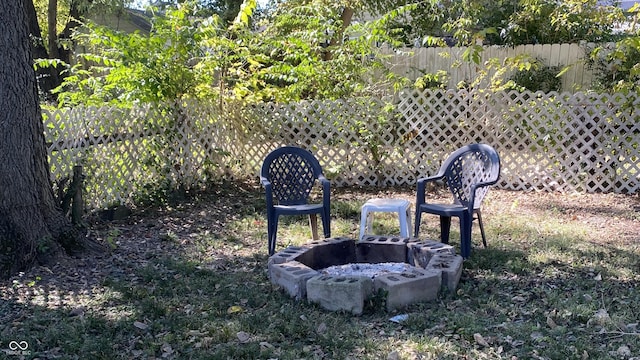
[
  {"x": 270, "y": 239},
  {"x": 405, "y": 223},
  {"x": 313, "y": 223},
  {"x": 465, "y": 235},
  {"x": 417, "y": 223},
  {"x": 273, "y": 230},
  {"x": 445, "y": 228},
  {"x": 326, "y": 224},
  {"x": 408, "y": 222},
  {"x": 368, "y": 227},
  {"x": 484, "y": 239},
  {"x": 363, "y": 223},
  {"x": 272, "y": 246}
]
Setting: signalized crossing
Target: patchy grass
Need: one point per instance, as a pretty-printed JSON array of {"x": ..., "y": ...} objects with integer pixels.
[{"x": 559, "y": 280}]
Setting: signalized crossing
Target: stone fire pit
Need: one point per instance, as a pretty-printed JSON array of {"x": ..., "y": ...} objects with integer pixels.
[{"x": 342, "y": 273}]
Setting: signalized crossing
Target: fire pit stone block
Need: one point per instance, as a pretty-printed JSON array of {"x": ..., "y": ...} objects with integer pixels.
[
  {"x": 336, "y": 293},
  {"x": 433, "y": 265},
  {"x": 421, "y": 252},
  {"x": 409, "y": 287},
  {"x": 376, "y": 249},
  {"x": 286, "y": 255},
  {"x": 291, "y": 276},
  {"x": 321, "y": 254},
  {"x": 450, "y": 266}
]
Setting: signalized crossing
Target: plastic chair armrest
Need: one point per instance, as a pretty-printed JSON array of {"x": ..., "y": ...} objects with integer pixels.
[
  {"x": 268, "y": 191},
  {"x": 474, "y": 188},
  {"x": 326, "y": 189}
]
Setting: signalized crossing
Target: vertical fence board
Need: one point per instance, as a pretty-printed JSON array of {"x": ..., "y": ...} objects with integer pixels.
[{"x": 414, "y": 62}]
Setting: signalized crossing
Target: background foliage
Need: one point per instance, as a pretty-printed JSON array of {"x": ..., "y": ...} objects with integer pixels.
[
  {"x": 311, "y": 49},
  {"x": 187, "y": 56}
]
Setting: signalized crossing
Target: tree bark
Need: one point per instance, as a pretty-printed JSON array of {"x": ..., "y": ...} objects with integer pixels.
[
  {"x": 75, "y": 14},
  {"x": 48, "y": 78},
  {"x": 52, "y": 27},
  {"x": 38, "y": 49},
  {"x": 31, "y": 226}
]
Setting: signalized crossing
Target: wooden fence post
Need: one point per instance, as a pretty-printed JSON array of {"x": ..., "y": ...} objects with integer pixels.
[{"x": 77, "y": 207}]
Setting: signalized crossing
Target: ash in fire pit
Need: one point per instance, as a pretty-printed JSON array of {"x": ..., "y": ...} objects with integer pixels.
[
  {"x": 367, "y": 270},
  {"x": 341, "y": 274}
]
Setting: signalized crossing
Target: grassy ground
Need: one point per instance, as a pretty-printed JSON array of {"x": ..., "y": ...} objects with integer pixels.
[{"x": 559, "y": 280}]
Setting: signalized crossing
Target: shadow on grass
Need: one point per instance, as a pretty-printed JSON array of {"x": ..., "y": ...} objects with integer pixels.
[
  {"x": 203, "y": 293},
  {"x": 174, "y": 308},
  {"x": 554, "y": 310},
  {"x": 610, "y": 206}
]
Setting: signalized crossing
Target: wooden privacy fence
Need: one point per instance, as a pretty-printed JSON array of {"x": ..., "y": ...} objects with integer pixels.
[
  {"x": 549, "y": 142},
  {"x": 415, "y": 62}
]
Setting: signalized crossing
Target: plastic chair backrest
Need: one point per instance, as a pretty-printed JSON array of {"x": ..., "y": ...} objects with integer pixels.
[
  {"x": 471, "y": 164},
  {"x": 292, "y": 172}
]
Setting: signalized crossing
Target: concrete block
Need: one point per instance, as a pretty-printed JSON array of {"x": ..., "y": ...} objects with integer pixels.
[
  {"x": 378, "y": 249},
  {"x": 340, "y": 293},
  {"x": 420, "y": 253},
  {"x": 409, "y": 287},
  {"x": 413, "y": 240},
  {"x": 321, "y": 254},
  {"x": 450, "y": 266},
  {"x": 292, "y": 277},
  {"x": 286, "y": 255}
]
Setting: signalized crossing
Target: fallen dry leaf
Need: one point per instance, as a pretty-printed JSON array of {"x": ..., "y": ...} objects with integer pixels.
[
  {"x": 79, "y": 311},
  {"x": 243, "y": 337},
  {"x": 480, "y": 340},
  {"x": 167, "y": 350},
  {"x": 624, "y": 351},
  {"x": 322, "y": 328},
  {"x": 266, "y": 345},
  {"x": 601, "y": 317},
  {"x": 234, "y": 309},
  {"x": 137, "y": 353},
  {"x": 140, "y": 325},
  {"x": 394, "y": 355}
]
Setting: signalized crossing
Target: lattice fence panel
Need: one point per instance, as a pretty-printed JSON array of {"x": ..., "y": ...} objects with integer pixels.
[
  {"x": 566, "y": 142},
  {"x": 120, "y": 149},
  {"x": 199, "y": 140},
  {"x": 584, "y": 142},
  {"x": 332, "y": 130}
]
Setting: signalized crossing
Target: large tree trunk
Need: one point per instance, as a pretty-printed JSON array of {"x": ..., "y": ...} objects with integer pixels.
[
  {"x": 38, "y": 49},
  {"x": 52, "y": 28},
  {"x": 75, "y": 14},
  {"x": 31, "y": 226},
  {"x": 48, "y": 77}
]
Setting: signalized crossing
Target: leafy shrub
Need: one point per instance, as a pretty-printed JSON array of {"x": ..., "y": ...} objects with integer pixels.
[
  {"x": 541, "y": 78},
  {"x": 617, "y": 68}
]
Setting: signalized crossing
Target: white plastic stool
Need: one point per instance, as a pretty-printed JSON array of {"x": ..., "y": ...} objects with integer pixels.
[{"x": 402, "y": 207}]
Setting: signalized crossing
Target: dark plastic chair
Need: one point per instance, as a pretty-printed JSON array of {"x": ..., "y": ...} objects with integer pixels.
[
  {"x": 468, "y": 173},
  {"x": 288, "y": 175}
]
